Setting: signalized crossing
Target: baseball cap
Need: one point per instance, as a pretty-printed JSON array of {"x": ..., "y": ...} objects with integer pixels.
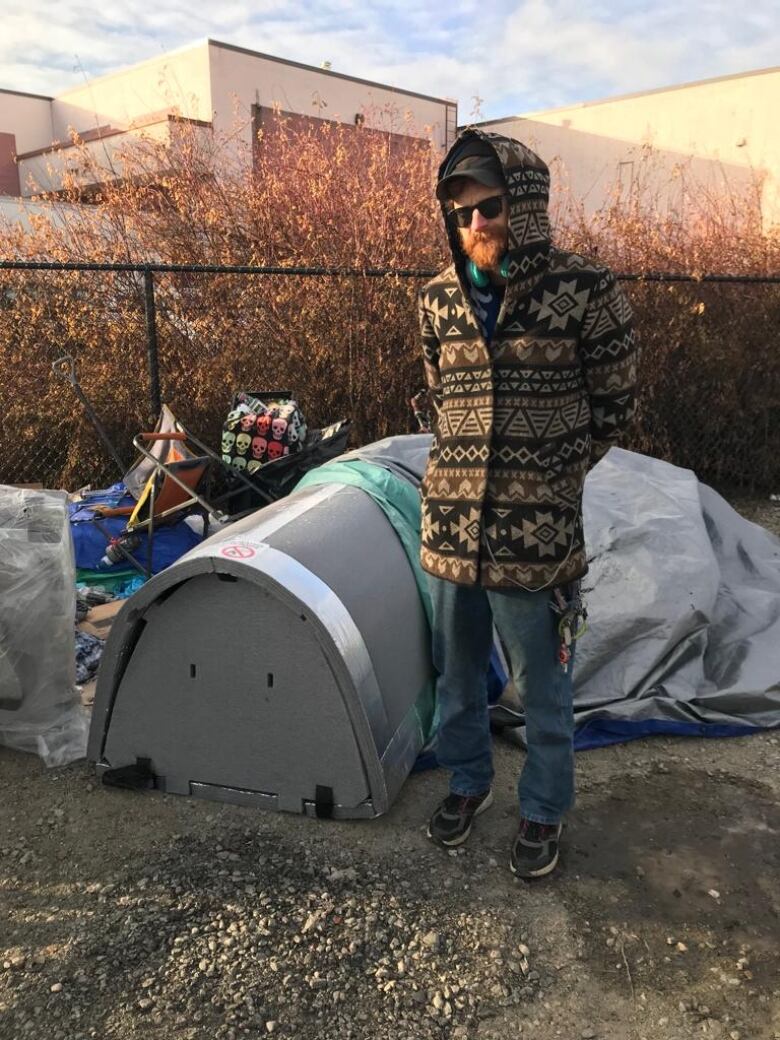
[{"x": 475, "y": 159}]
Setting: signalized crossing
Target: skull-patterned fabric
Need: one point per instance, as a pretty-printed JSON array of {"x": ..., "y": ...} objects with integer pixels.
[{"x": 258, "y": 432}]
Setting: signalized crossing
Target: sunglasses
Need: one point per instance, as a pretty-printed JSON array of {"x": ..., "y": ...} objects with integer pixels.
[{"x": 489, "y": 208}]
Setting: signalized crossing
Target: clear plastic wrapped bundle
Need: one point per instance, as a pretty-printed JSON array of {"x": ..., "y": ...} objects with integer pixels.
[{"x": 40, "y": 709}]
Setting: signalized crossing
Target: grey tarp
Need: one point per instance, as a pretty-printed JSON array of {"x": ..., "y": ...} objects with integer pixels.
[
  {"x": 684, "y": 601},
  {"x": 683, "y": 596}
]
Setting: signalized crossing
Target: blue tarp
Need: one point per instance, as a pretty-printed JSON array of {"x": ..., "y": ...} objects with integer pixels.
[
  {"x": 596, "y": 733},
  {"x": 89, "y": 543}
]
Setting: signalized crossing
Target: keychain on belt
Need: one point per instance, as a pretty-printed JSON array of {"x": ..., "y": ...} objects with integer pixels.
[{"x": 572, "y": 619}]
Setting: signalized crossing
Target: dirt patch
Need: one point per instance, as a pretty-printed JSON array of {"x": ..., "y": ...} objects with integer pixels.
[{"x": 101, "y": 891}]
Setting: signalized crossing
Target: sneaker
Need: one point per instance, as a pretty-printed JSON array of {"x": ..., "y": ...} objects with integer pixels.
[
  {"x": 535, "y": 849},
  {"x": 451, "y": 822}
]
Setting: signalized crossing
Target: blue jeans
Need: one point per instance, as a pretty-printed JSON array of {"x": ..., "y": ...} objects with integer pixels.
[{"x": 463, "y": 618}]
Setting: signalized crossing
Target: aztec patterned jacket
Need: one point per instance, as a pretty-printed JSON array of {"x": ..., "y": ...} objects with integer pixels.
[{"x": 519, "y": 423}]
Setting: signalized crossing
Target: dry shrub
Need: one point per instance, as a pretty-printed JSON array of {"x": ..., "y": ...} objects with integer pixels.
[
  {"x": 710, "y": 376},
  {"x": 333, "y": 195},
  {"x": 320, "y": 194}
]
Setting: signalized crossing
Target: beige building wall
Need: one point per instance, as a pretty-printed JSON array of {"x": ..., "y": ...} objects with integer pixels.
[
  {"x": 241, "y": 79},
  {"x": 216, "y": 85},
  {"x": 174, "y": 82},
  {"x": 44, "y": 172},
  {"x": 718, "y": 135},
  {"x": 112, "y": 109},
  {"x": 28, "y": 117}
]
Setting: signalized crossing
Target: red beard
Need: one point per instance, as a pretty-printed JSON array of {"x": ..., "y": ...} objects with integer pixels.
[{"x": 485, "y": 248}]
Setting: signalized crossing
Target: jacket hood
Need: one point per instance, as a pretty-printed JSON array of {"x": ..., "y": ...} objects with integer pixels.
[{"x": 528, "y": 187}]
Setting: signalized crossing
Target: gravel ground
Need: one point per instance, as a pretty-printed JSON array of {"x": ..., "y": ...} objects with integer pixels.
[{"x": 129, "y": 915}]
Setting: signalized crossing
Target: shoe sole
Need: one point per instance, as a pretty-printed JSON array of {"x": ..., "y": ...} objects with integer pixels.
[{"x": 462, "y": 837}]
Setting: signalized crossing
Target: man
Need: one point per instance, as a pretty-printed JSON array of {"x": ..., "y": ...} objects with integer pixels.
[{"x": 530, "y": 361}]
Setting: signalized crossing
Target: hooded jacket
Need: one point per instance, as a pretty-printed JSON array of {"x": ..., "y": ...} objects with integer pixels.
[{"x": 518, "y": 423}]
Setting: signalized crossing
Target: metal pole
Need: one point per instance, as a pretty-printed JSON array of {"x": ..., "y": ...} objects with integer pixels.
[
  {"x": 155, "y": 401},
  {"x": 65, "y": 367}
]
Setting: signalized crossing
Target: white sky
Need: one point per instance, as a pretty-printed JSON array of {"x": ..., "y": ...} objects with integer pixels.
[{"x": 516, "y": 57}]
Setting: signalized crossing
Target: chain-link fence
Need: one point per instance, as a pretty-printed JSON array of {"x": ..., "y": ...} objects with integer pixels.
[{"x": 346, "y": 342}]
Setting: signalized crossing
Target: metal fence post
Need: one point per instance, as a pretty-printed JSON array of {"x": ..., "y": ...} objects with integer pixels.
[{"x": 151, "y": 344}]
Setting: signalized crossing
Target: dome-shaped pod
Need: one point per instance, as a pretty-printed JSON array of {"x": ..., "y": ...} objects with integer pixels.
[{"x": 278, "y": 664}]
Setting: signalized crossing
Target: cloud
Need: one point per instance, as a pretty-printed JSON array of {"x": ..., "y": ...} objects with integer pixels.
[{"x": 518, "y": 57}]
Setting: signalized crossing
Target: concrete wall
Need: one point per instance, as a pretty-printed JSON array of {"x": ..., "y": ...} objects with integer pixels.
[
  {"x": 175, "y": 82},
  {"x": 28, "y": 117},
  {"x": 102, "y": 162},
  {"x": 206, "y": 82},
  {"x": 717, "y": 135},
  {"x": 242, "y": 79}
]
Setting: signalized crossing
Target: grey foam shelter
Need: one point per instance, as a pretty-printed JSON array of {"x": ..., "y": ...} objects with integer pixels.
[{"x": 277, "y": 665}]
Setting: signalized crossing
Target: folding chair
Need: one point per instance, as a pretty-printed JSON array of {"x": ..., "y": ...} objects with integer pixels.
[{"x": 183, "y": 481}]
